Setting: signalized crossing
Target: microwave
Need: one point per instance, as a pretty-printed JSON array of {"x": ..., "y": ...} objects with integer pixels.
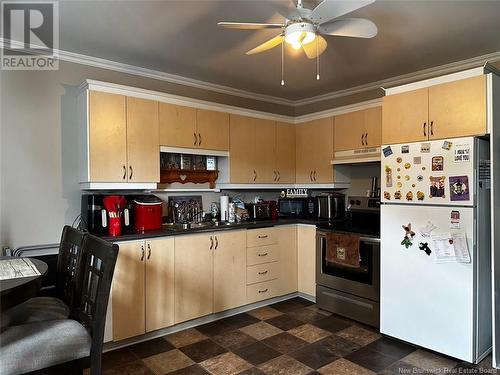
[{"x": 301, "y": 208}]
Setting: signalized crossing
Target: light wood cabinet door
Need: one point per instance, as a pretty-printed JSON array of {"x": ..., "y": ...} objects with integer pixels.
[
  {"x": 285, "y": 153},
  {"x": 349, "y": 131},
  {"x": 405, "y": 117},
  {"x": 306, "y": 259},
  {"x": 159, "y": 283},
  {"x": 128, "y": 293},
  {"x": 264, "y": 158},
  {"x": 143, "y": 144},
  {"x": 193, "y": 277},
  {"x": 177, "y": 125},
  {"x": 213, "y": 130},
  {"x": 372, "y": 126},
  {"x": 107, "y": 137},
  {"x": 287, "y": 263},
  {"x": 304, "y": 153},
  {"x": 242, "y": 149},
  {"x": 229, "y": 270},
  {"x": 322, "y": 140},
  {"x": 458, "y": 109}
]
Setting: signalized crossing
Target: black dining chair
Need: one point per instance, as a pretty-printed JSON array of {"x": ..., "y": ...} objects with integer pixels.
[
  {"x": 61, "y": 305},
  {"x": 67, "y": 346}
]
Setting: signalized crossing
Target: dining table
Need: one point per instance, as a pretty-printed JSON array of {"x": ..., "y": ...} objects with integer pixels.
[{"x": 15, "y": 291}]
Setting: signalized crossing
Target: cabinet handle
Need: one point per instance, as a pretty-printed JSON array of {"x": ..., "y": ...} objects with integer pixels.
[
  {"x": 199, "y": 139},
  {"x": 263, "y": 291},
  {"x": 149, "y": 251},
  {"x": 262, "y": 273},
  {"x": 431, "y": 127},
  {"x": 254, "y": 175},
  {"x": 195, "y": 139},
  {"x": 216, "y": 242},
  {"x": 264, "y": 236},
  {"x": 279, "y": 175},
  {"x": 362, "y": 139},
  {"x": 314, "y": 175},
  {"x": 262, "y": 254},
  {"x": 366, "y": 139},
  {"x": 142, "y": 253},
  {"x": 131, "y": 172},
  {"x": 425, "y": 126},
  {"x": 311, "y": 175},
  {"x": 211, "y": 243},
  {"x": 275, "y": 176},
  {"x": 124, "y": 172}
]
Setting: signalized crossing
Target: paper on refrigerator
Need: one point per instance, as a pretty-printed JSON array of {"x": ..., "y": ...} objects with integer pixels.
[{"x": 451, "y": 248}]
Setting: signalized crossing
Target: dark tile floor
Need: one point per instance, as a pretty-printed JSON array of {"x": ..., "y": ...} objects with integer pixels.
[{"x": 292, "y": 337}]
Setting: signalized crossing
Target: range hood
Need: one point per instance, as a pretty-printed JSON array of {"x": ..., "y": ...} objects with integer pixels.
[{"x": 363, "y": 155}]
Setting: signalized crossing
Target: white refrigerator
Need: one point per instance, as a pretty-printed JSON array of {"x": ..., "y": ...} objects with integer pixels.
[{"x": 435, "y": 246}]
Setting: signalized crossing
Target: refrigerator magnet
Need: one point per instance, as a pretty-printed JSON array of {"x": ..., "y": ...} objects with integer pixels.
[
  {"x": 407, "y": 177},
  {"x": 437, "y": 187},
  {"x": 399, "y": 159},
  {"x": 455, "y": 219},
  {"x": 459, "y": 188},
  {"x": 405, "y": 149},
  {"x": 462, "y": 154},
  {"x": 409, "y": 196},
  {"x": 387, "y": 151},
  {"x": 420, "y": 178},
  {"x": 420, "y": 195},
  {"x": 407, "y": 165},
  {"x": 388, "y": 176},
  {"x": 426, "y": 231},
  {"x": 406, "y": 242},
  {"x": 397, "y": 195},
  {"x": 424, "y": 246},
  {"x": 425, "y": 148},
  {"x": 408, "y": 232},
  {"x": 447, "y": 145},
  {"x": 387, "y": 195},
  {"x": 417, "y": 160},
  {"x": 437, "y": 163},
  {"x": 399, "y": 185}
]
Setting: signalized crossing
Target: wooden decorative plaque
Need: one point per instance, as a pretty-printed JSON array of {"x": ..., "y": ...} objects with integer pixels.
[{"x": 168, "y": 176}]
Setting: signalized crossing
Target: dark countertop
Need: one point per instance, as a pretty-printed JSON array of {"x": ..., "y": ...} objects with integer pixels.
[{"x": 169, "y": 231}]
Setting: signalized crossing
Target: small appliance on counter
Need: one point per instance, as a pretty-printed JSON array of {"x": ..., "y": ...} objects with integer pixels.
[
  {"x": 185, "y": 209},
  {"x": 296, "y": 208},
  {"x": 95, "y": 218},
  {"x": 330, "y": 207},
  {"x": 259, "y": 211},
  {"x": 148, "y": 210}
]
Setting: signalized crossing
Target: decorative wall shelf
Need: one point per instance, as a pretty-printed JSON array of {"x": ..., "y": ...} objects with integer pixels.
[{"x": 168, "y": 176}]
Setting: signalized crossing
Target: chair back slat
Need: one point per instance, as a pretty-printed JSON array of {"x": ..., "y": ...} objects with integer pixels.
[
  {"x": 97, "y": 266},
  {"x": 70, "y": 251}
]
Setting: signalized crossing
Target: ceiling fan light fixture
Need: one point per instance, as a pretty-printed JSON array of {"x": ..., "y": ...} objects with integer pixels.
[{"x": 298, "y": 34}]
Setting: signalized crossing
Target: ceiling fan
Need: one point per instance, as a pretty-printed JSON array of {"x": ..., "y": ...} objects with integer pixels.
[{"x": 303, "y": 27}]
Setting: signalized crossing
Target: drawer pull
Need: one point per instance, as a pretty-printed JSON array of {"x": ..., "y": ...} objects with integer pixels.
[
  {"x": 264, "y": 291},
  {"x": 262, "y": 273},
  {"x": 262, "y": 254},
  {"x": 265, "y": 236}
]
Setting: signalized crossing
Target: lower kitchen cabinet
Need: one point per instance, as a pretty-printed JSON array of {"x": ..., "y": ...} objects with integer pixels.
[
  {"x": 287, "y": 247},
  {"x": 229, "y": 270},
  {"x": 306, "y": 259},
  {"x": 142, "y": 288},
  {"x": 193, "y": 276}
]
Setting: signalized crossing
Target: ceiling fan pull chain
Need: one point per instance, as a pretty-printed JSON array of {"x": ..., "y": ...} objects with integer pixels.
[
  {"x": 317, "y": 59},
  {"x": 282, "y": 64}
]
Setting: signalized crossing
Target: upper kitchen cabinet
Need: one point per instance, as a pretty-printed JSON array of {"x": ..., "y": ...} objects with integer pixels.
[
  {"x": 404, "y": 117},
  {"x": 359, "y": 129},
  {"x": 285, "y": 153},
  {"x": 314, "y": 151},
  {"x": 372, "y": 126},
  {"x": 119, "y": 140},
  {"x": 177, "y": 126},
  {"x": 213, "y": 130},
  {"x": 143, "y": 148},
  {"x": 188, "y": 127},
  {"x": 447, "y": 110},
  {"x": 458, "y": 109},
  {"x": 252, "y": 150}
]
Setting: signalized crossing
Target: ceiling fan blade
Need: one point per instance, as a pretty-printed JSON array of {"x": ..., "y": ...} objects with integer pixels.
[
  {"x": 312, "y": 50},
  {"x": 250, "y": 25},
  {"x": 287, "y": 9},
  {"x": 271, "y": 43},
  {"x": 353, "y": 27},
  {"x": 330, "y": 9}
]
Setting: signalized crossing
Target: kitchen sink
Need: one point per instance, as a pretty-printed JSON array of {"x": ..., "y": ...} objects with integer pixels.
[{"x": 184, "y": 226}]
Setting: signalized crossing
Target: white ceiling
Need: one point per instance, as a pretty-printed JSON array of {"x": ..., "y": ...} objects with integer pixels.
[{"x": 182, "y": 38}]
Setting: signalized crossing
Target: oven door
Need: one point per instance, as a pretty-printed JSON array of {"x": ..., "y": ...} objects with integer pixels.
[{"x": 362, "y": 281}]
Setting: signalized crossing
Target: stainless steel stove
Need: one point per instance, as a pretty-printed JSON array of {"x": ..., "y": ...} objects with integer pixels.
[{"x": 348, "y": 263}]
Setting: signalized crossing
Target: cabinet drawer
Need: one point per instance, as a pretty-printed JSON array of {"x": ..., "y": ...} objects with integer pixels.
[
  {"x": 262, "y": 254},
  {"x": 259, "y": 237},
  {"x": 262, "y": 291},
  {"x": 262, "y": 272}
]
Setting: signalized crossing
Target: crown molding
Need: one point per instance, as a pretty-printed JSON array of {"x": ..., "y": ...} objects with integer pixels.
[{"x": 176, "y": 79}]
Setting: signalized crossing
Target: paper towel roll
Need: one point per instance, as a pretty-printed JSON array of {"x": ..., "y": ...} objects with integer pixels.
[{"x": 224, "y": 207}]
